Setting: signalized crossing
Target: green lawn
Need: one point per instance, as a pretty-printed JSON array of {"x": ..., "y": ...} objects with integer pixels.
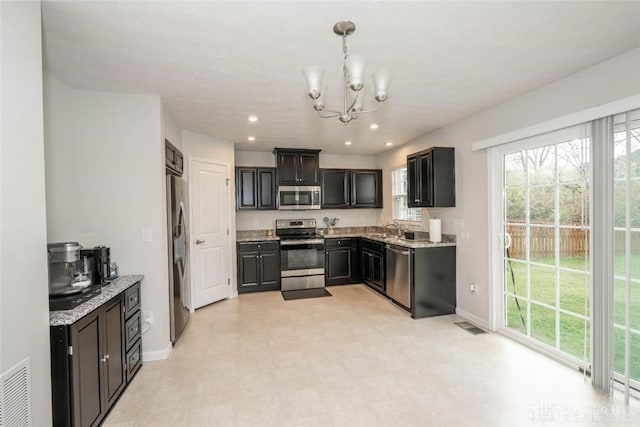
[{"x": 574, "y": 298}]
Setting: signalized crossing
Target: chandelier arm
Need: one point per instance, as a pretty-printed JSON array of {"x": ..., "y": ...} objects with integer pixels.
[
  {"x": 372, "y": 110},
  {"x": 330, "y": 116}
]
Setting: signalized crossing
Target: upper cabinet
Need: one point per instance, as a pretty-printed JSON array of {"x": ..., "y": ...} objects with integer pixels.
[
  {"x": 344, "y": 188},
  {"x": 255, "y": 188},
  {"x": 297, "y": 166},
  {"x": 174, "y": 160},
  {"x": 431, "y": 178}
]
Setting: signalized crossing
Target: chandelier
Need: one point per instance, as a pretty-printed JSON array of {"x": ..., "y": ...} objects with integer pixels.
[{"x": 353, "y": 78}]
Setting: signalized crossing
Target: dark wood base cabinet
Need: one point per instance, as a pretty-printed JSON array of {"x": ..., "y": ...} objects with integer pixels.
[
  {"x": 372, "y": 260},
  {"x": 91, "y": 360},
  {"x": 342, "y": 263},
  {"x": 258, "y": 266},
  {"x": 433, "y": 287}
]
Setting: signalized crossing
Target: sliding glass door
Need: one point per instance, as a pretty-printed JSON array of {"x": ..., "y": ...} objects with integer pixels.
[
  {"x": 546, "y": 229},
  {"x": 626, "y": 219}
]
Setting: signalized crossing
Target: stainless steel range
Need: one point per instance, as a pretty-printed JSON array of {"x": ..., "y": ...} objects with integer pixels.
[{"x": 301, "y": 253}]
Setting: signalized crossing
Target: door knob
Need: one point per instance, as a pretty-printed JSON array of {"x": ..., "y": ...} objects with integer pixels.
[{"x": 199, "y": 242}]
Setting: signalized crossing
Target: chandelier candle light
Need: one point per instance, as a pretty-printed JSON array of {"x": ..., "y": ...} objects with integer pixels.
[{"x": 353, "y": 77}]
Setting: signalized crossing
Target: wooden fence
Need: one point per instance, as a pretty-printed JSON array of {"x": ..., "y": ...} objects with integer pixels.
[{"x": 573, "y": 242}]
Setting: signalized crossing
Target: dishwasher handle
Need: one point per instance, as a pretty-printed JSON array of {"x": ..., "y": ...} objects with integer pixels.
[{"x": 394, "y": 250}]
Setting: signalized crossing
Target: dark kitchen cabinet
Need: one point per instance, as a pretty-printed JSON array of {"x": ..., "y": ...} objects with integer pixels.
[
  {"x": 258, "y": 266},
  {"x": 372, "y": 262},
  {"x": 89, "y": 361},
  {"x": 342, "y": 263},
  {"x": 431, "y": 178},
  {"x": 297, "y": 166},
  {"x": 88, "y": 371},
  {"x": 357, "y": 188},
  {"x": 255, "y": 188},
  {"x": 174, "y": 160}
]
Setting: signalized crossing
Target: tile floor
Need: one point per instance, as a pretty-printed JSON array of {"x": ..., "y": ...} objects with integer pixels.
[{"x": 354, "y": 359}]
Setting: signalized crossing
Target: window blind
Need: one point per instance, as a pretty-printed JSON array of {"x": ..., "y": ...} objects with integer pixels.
[{"x": 400, "y": 211}]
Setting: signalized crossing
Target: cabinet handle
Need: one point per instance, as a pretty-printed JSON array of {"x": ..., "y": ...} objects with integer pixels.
[
  {"x": 104, "y": 358},
  {"x": 199, "y": 242}
]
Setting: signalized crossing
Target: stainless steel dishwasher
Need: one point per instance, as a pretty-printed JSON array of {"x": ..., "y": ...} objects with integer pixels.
[{"x": 399, "y": 274}]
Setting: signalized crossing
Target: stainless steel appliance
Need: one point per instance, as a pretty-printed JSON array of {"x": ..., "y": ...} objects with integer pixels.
[
  {"x": 399, "y": 274},
  {"x": 298, "y": 197},
  {"x": 301, "y": 254},
  {"x": 179, "y": 279}
]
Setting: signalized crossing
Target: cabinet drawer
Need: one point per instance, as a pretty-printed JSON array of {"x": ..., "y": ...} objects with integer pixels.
[
  {"x": 259, "y": 246},
  {"x": 131, "y": 300},
  {"x": 133, "y": 330},
  {"x": 338, "y": 243},
  {"x": 372, "y": 245},
  {"x": 134, "y": 360}
]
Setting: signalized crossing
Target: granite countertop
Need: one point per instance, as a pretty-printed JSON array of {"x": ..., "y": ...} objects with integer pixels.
[
  {"x": 373, "y": 233},
  {"x": 414, "y": 244},
  {"x": 67, "y": 317},
  {"x": 255, "y": 236}
]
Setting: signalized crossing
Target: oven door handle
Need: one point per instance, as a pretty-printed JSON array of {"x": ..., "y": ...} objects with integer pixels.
[{"x": 301, "y": 242}]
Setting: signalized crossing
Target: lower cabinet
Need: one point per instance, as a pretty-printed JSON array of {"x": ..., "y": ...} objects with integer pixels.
[
  {"x": 342, "y": 264},
  {"x": 372, "y": 262},
  {"x": 258, "y": 266},
  {"x": 89, "y": 367}
]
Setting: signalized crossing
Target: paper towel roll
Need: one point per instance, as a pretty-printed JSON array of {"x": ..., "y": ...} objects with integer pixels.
[{"x": 435, "y": 236}]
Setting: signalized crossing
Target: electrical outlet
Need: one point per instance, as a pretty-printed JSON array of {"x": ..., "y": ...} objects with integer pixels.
[
  {"x": 147, "y": 317},
  {"x": 473, "y": 287}
]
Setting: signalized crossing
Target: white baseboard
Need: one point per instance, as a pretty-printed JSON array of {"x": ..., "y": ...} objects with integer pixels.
[
  {"x": 473, "y": 319},
  {"x": 150, "y": 356}
]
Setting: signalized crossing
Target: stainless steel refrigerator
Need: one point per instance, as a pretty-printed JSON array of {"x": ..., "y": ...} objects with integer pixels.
[{"x": 178, "y": 235}]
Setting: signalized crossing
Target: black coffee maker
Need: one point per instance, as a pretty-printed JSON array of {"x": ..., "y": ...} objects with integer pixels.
[{"x": 99, "y": 263}]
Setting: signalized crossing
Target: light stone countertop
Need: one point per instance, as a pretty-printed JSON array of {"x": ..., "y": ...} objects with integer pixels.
[
  {"x": 119, "y": 285},
  {"x": 413, "y": 244}
]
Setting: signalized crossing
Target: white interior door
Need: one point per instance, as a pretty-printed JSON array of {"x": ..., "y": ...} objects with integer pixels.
[{"x": 210, "y": 232}]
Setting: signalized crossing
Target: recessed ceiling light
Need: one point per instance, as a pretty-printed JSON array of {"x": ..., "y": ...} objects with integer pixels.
[
  {"x": 388, "y": 143},
  {"x": 251, "y": 138},
  {"x": 253, "y": 119},
  {"x": 347, "y": 143},
  {"x": 373, "y": 126}
]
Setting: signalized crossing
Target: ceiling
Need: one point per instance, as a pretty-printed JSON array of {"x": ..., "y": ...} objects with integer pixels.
[{"x": 216, "y": 63}]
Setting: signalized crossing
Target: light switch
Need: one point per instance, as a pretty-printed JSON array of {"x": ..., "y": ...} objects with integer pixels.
[{"x": 146, "y": 235}]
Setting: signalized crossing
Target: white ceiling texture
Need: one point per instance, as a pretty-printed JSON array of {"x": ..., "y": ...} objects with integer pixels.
[{"x": 215, "y": 63}]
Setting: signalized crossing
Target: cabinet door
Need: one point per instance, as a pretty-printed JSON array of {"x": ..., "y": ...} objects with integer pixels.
[
  {"x": 246, "y": 188},
  {"x": 308, "y": 169},
  {"x": 365, "y": 262},
  {"x": 288, "y": 165},
  {"x": 335, "y": 188},
  {"x": 413, "y": 182},
  {"x": 426, "y": 179},
  {"x": 85, "y": 371},
  {"x": 113, "y": 379},
  {"x": 338, "y": 266},
  {"x": 270, "y": 270},
  {"x": 248, "y": 270},
  {"x": 266, "y": 192},
  {"x": 377, "y": 271},
  {"x": 366, "y": 188}
]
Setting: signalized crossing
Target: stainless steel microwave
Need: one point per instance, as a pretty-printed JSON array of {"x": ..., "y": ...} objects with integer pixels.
[{"x": 293, "y": 198}]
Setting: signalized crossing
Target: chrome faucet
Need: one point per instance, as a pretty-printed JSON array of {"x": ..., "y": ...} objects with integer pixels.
[{"x": 396, "y": 226}]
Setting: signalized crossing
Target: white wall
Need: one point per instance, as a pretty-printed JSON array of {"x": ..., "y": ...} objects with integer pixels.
[
  {"x": 196, "y": 146},
  {"x": 24, "y": 305},
  {"x": 170, "y": 128},
  {"x": 611, "y": 80},
  {"x": 260, "y": 220},
  {"x": 105, "y": 183}
]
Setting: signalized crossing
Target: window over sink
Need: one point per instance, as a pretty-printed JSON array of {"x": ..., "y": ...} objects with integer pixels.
[{"x": 400, "y": 211}]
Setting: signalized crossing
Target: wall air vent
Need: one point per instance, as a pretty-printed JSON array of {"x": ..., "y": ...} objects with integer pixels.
[{"x": 15, "y": 395}]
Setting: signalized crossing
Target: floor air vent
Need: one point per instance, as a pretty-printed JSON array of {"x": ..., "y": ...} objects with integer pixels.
[
  {"x": 15, "y": 396},
  {"x": 472, "y": 329}
]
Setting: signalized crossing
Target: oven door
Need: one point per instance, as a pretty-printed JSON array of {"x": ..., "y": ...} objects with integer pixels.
[
  {"x": 298, "y": 198},
  {"x": 301, "y": 258}
]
